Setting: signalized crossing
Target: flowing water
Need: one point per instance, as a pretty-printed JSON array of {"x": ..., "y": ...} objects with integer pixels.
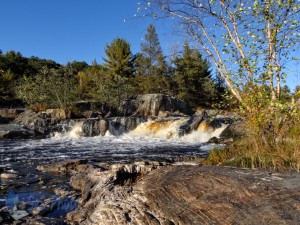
[{"x": 148, "y": 141}]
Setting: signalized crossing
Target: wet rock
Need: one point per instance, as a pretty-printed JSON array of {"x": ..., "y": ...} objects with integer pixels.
[
  {"x": 19, "y": 214},
  {"x": 5, "y": 217},
  {"x": 191, "y": 124},
  {"x": 37, "y": 220},
  {"x": 14, "y": 131},
  {"x": 62, "y": 167},
  {"x": 188, "y": 194},
  {"x": 9, "y": 176},
  {"x": 103, "y": 126},
  {"x": 120, "y": 125},
  {"x": 41, "y": 210},
  {"x": 22, "y": 205}
]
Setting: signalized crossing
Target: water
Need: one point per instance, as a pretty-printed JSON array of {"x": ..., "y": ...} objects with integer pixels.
[{"x": 149, "y": 141}]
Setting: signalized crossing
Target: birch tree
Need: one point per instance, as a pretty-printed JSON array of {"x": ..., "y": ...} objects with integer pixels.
[{"x": 250, "y": 42}]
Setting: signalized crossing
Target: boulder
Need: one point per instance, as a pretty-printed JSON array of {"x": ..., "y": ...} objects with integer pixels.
[
  {"x": 60, "y": 114},
  {"x": 152, "y": 105},
  {"x": 15, "y": 131},
  {"x": 10, "y": 113},
  {"x": 142, "y": 193},
  {"x": 9, "y": 176},
  {"x": 7, "y": 115},
  {"x": 42, "y": 123},
  {"x": 62, "y": 167},
  {"x": 234, "y": 131}
]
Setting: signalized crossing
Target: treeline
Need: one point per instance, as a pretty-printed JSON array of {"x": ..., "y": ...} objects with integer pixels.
[{"x": 44, "y": 83}]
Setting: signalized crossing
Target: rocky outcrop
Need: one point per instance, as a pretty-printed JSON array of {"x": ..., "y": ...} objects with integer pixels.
[
  {"x": 7, "y": 114},
  {"x": 64, "y": 167},
  {"x": 15, "y": 131},
  {"x": 41, "y": 122},
  {"x": 150, "y": 193},
  {"x": 153, "y": 105}
]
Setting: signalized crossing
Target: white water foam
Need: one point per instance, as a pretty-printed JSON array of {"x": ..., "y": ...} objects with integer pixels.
[
  {"x": 75, "y": 132},
  {"x": 169, "y": 131}
]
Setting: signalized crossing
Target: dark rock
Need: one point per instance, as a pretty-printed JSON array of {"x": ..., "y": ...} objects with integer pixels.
[
  {"x": 5, "y": 120},
  {"x": 15, "y": 131},
  {"x": 92, "y": 114},
  {"x": 5, "y": 217},
  {"x": 234, "y": 131},
  {"x": 120, "y": 125},
  {"x": 191, "y": 124}
]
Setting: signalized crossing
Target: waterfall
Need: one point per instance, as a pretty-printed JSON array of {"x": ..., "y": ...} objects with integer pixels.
[
  {"x": 71, "y": 130},
  {"x": 170, "y": 130},
  {"x": 167, "y": 129}
]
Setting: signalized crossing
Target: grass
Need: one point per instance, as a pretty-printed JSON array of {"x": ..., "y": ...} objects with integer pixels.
[{"x": 262, "y": 148}]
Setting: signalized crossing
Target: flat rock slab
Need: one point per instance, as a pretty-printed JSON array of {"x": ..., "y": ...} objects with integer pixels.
[
  {"x": 216, "y": 195},
  {"x": 186, "y": 194}
]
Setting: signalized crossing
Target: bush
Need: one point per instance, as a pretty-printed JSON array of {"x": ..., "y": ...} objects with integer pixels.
[{"x": 271, "y": 140}]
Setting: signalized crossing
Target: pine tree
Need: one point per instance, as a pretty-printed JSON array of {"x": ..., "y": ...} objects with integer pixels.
[
  {"x": 119, "y": 58},
  {"x": 193, "y": 77},
  {"x": 152, "y": 68},
  {"x": 119, "y": 66}
]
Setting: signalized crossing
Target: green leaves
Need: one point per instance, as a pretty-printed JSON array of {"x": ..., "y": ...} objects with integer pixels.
[{"x": 119, "y": 58}]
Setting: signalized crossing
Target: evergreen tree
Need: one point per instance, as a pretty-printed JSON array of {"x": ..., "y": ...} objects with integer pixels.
[
  {"x": 151, "y": 49},
  {"x": 119, "y": 67},
  {"x": 151, "y": 67},
  {"x": 119, "y": 58},
  {"x": 193, "y": 77}
]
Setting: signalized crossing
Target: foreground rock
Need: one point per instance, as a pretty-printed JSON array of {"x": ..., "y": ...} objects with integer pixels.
[{"x": 152, "y": 193}]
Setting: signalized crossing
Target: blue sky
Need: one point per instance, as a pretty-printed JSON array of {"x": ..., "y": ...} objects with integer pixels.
[{"x": 67, "y": 30}]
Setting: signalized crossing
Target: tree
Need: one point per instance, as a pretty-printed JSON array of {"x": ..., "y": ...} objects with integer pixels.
[
  {"x": 193, "y": 77},
  {"x": 6, "y": 84},
  {"x": 119, "y": 67},
  {"x": 285, "y": 95},
  {"x": 151, "y": 66},
  {"x": 249, "y": 42},
  {"x": 151, "y": 49},
  {"x": 75, "y": 67},
  {"x": 50, "y": 88},
  {"x": 119, "y": 59}
]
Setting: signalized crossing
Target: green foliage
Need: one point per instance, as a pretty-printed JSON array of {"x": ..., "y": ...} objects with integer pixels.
[
  {"x": 119, "y": 59},
  {"x": 193, "y": 78},
  {"x": 6, "y": 84},
  {"x": 50, "y": 88},
  {"x": 151, "y": 66}
]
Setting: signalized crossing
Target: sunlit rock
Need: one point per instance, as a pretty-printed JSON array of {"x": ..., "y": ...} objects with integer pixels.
[
  {"x": 142, "y": 193},
  {"x": 152, "y": 104}
]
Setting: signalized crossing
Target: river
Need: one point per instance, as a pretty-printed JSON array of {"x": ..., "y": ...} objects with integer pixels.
[{"x": 146, "y": 142}]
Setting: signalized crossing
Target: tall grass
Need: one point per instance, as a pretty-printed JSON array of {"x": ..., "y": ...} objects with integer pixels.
[{"x": 271, "y": 140}]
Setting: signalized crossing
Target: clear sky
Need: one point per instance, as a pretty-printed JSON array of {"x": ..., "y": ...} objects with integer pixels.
[{"x": 67, "y": 30}]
